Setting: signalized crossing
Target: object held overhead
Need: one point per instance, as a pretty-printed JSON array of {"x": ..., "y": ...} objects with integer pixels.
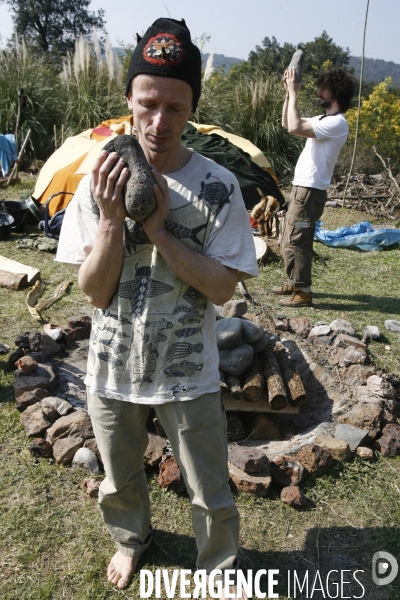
[{"x": 297, "y": 63}]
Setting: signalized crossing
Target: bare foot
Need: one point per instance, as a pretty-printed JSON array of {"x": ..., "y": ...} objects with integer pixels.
[
  {"x": 233, "y": 590},
  {"x": 121, "y": 569}
]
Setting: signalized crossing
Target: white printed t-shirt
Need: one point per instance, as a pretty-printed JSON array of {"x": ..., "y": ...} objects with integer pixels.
[
  {"x": 318, "y": 159},
  {"x": 156, "y": 343}
]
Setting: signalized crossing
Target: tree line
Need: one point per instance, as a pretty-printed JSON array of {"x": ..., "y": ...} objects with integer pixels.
[{"x": 71, "y": 78}]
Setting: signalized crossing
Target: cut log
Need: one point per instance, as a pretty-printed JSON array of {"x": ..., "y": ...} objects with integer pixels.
[
  {"x": 273, "y": 379},
  {"x": 260, "y": 427},
  {"x": 13, "y": 266},
  {"x": 254, "y": 382},
  {"x": 234, "y": 387},
  {"x": 261, "y": 405},
  {"x": 294, "y": 384},
  {"x": 15, "y": 281}
]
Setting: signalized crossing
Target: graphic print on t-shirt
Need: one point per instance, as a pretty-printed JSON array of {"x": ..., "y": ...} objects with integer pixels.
[{"x": 215, "y": 192}]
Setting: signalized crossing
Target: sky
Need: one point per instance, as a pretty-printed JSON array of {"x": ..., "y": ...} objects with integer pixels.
[{"x": 237, "y": 26}]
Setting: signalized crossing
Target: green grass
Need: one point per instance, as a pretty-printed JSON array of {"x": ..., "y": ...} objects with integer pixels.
[
  {"x": 361, "y": 287},
  {"x": 53, "y": 544}
]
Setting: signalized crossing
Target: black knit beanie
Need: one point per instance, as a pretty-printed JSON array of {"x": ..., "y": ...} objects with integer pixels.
[{"x": 167, "y": 50}]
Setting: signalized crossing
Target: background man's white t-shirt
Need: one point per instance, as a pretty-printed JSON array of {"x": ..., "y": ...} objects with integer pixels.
[{"x": 318, "y": 159}]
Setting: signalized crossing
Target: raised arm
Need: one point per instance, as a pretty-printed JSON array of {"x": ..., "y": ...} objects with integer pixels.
[
  {"x": 294, "y": 123},
  {"x": 205, "y": 274},
  {"x": 285, "y": 102},
  {"x": 99, "y": 274}
]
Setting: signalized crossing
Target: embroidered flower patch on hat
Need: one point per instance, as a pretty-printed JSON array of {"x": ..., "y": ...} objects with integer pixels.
[{"x": 163, "y": 49}]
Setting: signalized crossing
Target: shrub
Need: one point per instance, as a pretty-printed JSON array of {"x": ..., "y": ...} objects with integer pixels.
[
  {"x": 23, "y": 67},
  {"x": 379, "y": 121}
]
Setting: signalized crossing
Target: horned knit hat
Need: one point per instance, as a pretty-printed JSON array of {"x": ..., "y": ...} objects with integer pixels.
[{"x": 167, "y": 50}]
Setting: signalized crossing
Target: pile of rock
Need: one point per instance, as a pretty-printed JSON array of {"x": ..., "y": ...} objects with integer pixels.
[
  {"x": 269, "y": 368},
  {"x": 257, "y": 375},
  {"x": 58, "y": 430}
]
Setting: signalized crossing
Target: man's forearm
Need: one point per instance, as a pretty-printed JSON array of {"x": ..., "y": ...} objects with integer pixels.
[
  {"x": 205, "y": 274},
  {"x": 294, "y": 121},
  {"x": 99, "y": 274},
  {"x": 285, "y": 111}
]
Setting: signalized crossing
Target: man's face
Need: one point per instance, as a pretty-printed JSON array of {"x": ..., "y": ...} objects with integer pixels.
[
  {"x": 161, "y": 108},
  {"x": 325, "y": 97}
]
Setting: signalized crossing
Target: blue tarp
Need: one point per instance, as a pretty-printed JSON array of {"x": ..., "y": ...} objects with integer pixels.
[
  {"x": 8, "y": 152},
  {"x": 361, "y": 235}
]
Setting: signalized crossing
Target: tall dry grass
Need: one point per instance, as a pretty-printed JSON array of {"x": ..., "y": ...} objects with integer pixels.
[
  {"x": 91, "y": 85},
  {"x": 251, "y": 106}
]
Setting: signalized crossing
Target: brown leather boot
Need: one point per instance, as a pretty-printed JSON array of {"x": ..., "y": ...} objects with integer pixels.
[
  {"x": 283, "y": 290},
  {"x": 298, "y": 298}
]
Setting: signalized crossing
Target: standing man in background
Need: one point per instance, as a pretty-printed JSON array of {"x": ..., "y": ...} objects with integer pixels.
[{"x": 326, "y": 135}]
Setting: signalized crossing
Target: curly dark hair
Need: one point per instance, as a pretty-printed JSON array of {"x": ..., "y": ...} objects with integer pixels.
[{"x": 341, "y": 84}]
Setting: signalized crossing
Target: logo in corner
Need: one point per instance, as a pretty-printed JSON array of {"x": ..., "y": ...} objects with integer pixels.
[
  {"x": 163, "y": 49},
  {"x": 381, "y": 561}
]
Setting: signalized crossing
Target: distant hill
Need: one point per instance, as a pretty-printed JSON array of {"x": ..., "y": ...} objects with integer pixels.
[
  {"x": 220, "y": 60},
  {"x": 375, "y": 70}
]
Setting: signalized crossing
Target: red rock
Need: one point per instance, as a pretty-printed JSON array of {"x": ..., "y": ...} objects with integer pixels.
[
  {"x": 92, "y": 487},
  {"x": 26, "y": 364},
  {"x": 389, "y": 443},
  {"x": 321, "y": 340},
  {"x": 389, "y": 418},
  {"x": 286, "y": 471},
  {"x": 43, "y": 377},
  {"x": 250, "y": 316},
  {"x": 34, "y": 420},
  {"x": 300, "y": 325},
  {"x": 357, "y": 375},
  {"x": 280, "y": 325},
  {"x": 315, "y": 459},
  {"x": 365, "y": 453},
  {"x": 76, "y": 424},
  {"x": 170, "y": 476},
  {"x": 345, "y": 341},
  {"x": 27, "y": 399},
  {"x": 154, "y": 451},
  {"x": 339, "y": 449},
  {"x": 248, "y": 459},
  {"x": 41, "y": 448},
  {"x": 257, "y": 485},
  {"x": 234, "y": 308},
  {"x": 293, "y": 496},
  {"x": 64, "y": 449},
  {"x": 380, "y": 387},
  {"x": 364, "y": 416},
  {"x": 350, "y": 356}
]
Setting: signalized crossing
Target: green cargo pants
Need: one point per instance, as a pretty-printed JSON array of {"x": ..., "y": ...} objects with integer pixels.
[
  {"x": 196, "y": 430},
  {"x": 305, "y": 208}
]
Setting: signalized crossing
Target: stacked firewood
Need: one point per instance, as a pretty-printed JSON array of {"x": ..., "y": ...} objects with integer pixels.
[
  {"x": 257, "y": 376},
  {"x": 377, "y": 195}
]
